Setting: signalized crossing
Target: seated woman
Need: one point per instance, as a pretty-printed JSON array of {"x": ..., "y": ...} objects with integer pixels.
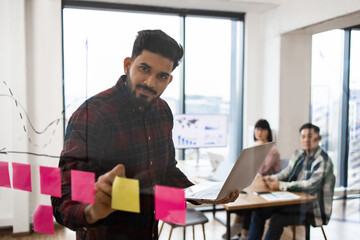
[{"x": 271, "y": 165}]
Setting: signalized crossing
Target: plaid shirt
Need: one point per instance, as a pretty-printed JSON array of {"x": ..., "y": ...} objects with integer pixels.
[
  {"x": 107, "y": 130},
  {"x": 313, "y": 175}
]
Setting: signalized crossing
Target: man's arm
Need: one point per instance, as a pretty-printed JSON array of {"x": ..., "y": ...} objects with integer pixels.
[
  {"x": 319, "y": 170},
  {"x": 178, "y": 178},
  {"x": 81, "y": 150},
  {"x": 174, "y": 176},
  {"x": 284, "y": 174}
]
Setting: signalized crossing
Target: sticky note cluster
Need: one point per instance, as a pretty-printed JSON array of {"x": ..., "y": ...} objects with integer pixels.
[
  {"x": 170, "y": 203},
  {"x": 50, "y": 180}
]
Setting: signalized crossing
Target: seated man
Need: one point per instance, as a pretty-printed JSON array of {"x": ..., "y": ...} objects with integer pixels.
[{"x": 309, "y": 170}]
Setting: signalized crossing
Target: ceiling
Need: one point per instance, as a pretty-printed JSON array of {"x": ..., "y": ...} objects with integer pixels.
[{"x": 219, "y": 5}]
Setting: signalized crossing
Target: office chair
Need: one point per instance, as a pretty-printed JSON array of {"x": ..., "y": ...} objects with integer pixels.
[
  {"x": 331, "y": 179},
  {"x": 293, "y": 228},
  {"x": 193, "y": 218}
]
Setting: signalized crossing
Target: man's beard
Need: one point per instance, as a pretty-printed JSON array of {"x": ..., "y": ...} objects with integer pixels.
[{"x": 140, "y": 101}]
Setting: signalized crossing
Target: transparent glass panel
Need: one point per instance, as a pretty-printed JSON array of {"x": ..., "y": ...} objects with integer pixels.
[
  {"x": 95, "y": 45},
  {"x": 208, "y": 71},
  {"x": 326, "y": 80},
  {"x": 354, "y": 112},
  {"x": 96, "y": 42}
]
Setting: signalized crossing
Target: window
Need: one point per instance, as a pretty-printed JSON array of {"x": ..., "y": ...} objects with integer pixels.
[
  {"x": 97, "y": 41},
  {"x": 95, "y": 45},
  {"x": 354, "y": 111},
  {"x": 334, "y": 57}
]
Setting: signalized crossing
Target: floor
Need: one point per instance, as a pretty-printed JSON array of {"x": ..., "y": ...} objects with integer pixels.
[{"x": 344, "y": 223}]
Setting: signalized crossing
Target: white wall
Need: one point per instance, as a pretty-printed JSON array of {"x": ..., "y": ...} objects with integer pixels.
[
  {"x": 44, "y": 77},
  {"x": 253, "y": 62},
  {"x": 13, "y": 203},
  {"x": 31, "y": 65}
]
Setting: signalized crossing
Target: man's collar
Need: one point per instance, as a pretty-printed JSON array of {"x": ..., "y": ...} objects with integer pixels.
[{"x": 314, "y": 154}]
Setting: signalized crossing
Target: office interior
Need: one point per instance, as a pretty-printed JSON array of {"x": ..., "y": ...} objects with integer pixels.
[{"x": 273, "y": 79}]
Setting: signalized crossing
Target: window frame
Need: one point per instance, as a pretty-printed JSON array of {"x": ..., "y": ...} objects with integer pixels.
[{"x": 345, "y": 98}]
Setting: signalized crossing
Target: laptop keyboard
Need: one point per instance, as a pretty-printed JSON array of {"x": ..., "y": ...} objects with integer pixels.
[{"x": 209, "y": 193}]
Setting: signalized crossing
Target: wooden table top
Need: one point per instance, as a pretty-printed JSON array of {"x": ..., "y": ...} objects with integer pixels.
[{"x": 250, "y": 200}]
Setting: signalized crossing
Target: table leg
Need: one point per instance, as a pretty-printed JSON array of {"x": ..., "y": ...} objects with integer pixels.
[
  {"x": 227, "y": 225},
  {"x": 214, "y": 210},
  {"x": 216, "y": 218},
  {"x": 184, "y": 232},
  {"x": 307, "y": 231}
]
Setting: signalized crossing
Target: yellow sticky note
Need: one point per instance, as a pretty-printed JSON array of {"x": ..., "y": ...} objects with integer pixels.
[{"x": 126, "y": 195}]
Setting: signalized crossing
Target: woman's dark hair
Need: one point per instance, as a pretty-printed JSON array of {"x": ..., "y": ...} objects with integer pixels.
[
  {"x": 156, "y": 41},
  {"x": 263, "y": 124}
]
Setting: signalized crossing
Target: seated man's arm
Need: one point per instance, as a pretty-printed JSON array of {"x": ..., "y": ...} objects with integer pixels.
[
  {"x": 284, "y": 174},
  {"x": 313, "y": 182}
]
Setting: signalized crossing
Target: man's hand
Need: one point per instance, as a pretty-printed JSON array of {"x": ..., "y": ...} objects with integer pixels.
[
  {"x": 271, "y": 183},
  {"x": 103, "y": 190},
  {"x": 231, "y": 198}
]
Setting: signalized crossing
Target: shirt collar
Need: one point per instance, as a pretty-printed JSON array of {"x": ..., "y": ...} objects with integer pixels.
[{"x": 314, "y": 155}]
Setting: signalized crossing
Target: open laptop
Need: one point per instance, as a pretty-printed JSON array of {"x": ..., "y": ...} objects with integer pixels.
[{"x": 241, "y": 176}]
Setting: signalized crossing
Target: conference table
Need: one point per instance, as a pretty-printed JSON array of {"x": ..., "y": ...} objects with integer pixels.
[{"x": 248, "y": 200}]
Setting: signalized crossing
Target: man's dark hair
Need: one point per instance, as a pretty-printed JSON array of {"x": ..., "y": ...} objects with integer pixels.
[
  {"x": 156, "y": 41},
  {"x": 263, "y": 124},
  {"x": 310, "y": 126}
]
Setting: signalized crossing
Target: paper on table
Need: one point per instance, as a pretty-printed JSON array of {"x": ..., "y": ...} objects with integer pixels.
[
  {"x": 4, "y": 175},
  {"x": 170, "y": 205},
  {"x": 83, "y": 186},
  {"x": 43, "y": 219},
  {"x": 126, "y": 195},
  {"x": 50, "y": 181},
  {"x": 281, "y": 195},
  {"x": 22, "y": 176}
]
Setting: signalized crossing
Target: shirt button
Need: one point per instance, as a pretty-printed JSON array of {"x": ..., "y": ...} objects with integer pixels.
[
  {"x": 149, "y": 138},
  {"x": 84, "y": 228},
  {"x": 150, "y": 162}
]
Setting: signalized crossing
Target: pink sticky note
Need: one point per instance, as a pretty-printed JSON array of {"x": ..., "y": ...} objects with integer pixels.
[
  {"x": 43, "y": 219},
  {"x": 50, "y": 181},
  {"x": 83, "y": 186},
  {"x": 170, "y": 205},
  {"x": 4, "y": 175},
  {"x": 22, "y": 176}
]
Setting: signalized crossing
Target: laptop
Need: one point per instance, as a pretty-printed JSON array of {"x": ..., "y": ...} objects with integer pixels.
[{"x": 241, "y": 176}]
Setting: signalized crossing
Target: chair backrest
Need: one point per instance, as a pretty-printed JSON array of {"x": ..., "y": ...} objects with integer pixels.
[
  {"x": 215, "y": 159},
  {"x": 284, "y": 162},
  {"x": 327, "y": 194}
]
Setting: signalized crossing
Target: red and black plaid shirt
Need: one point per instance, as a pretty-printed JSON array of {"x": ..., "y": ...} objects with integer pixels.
[{"x": 105, "y": 131}]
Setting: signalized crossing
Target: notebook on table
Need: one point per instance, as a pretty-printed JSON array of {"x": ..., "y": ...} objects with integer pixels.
[{"x": 241, "y": 175}]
